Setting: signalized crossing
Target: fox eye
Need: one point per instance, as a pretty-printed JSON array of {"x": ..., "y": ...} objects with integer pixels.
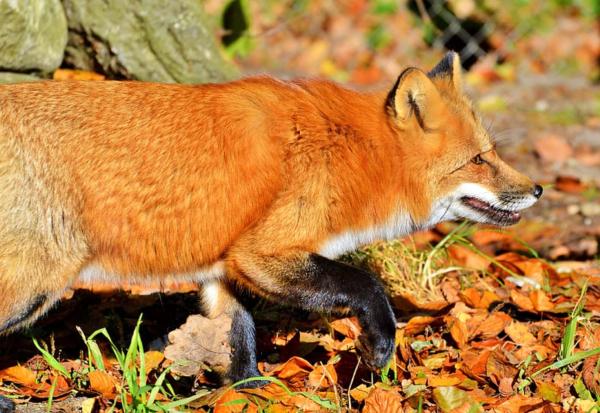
[{"x": 477, "y": 160}]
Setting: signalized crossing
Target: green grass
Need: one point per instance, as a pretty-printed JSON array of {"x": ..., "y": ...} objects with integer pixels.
[{"x": 135, "y": 393}]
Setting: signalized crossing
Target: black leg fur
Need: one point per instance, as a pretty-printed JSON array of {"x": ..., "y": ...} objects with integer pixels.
[
  {"x": 315, "y": 283},
  {"x": 243, "y": 343}
]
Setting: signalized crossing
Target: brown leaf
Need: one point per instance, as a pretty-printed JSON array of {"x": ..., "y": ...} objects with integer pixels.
[
  {"x": 553, "y": 148},
  {"x": 569, "y": 184},
  {"x": 501, "y": 372},
  {"x": 200, "y": 342},
  {"x": 474, "y": 363},
  {"x": 383, "y": 401},
  {"x": 103, "y": 383},
  {"x": 491, "y": 326},
  {"x": 520, "y": 404},
  {"x": 519, "y": 333}
]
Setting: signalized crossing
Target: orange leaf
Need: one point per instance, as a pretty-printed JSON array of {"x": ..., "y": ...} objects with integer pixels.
[
  {"x": 519, "y": 333},
  {"x": 19, "y": 374},
  {"x": 69, "y": 74},
  {"x": 383, "y": 401},
  {"x": 417, "y": 324},
  {"x": 103, "y": 383},
  {"x": 465, "y": 257},
  {"x": 444, "y": 380},
  {"x": 233, "y": 402},
  {"x": 474, "y": 363},
  {"x": 360, "y": 392},
  {"x": 492, "y": 325},
  {"x": 153, "y": 359},
  {"x": 323, "y": 376},
  {"x": 521, "y": 300},
  {"x": 458, "y": 331},
  {"x": 348, "y": 327},
  {"x": 540, "y": 301}
]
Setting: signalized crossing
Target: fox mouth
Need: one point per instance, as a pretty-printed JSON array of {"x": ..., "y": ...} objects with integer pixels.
[{"x": 493, "y": 213}]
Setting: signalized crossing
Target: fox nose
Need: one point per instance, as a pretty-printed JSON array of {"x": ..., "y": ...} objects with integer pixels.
[{"x": 537, "y": 191}]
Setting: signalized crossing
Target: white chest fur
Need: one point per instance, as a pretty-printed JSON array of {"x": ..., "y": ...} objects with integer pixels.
[{"x": 398, "y": 226}]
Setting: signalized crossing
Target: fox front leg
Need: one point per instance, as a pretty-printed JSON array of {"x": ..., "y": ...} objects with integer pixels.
[{"x": 315, "y": 283}]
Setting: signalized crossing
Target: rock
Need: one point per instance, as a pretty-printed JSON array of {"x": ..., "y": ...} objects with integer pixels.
[
  {"x": 33, "y": 35},
  {"x": 11, "y": 77},
  {"x": 149, "y": 40}
]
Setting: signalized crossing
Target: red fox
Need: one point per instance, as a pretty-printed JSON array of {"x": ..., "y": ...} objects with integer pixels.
[{"x": 254, "y": 185}]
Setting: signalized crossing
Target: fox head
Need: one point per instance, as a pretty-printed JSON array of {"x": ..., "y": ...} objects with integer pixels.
[{"x": 449, "y": 153}]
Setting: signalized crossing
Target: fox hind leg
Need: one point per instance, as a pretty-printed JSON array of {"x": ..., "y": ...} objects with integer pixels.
[{"x": 218, "y": 297}]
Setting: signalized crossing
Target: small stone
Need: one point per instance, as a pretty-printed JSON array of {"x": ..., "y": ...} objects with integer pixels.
[{"x": 590, "y": 209}]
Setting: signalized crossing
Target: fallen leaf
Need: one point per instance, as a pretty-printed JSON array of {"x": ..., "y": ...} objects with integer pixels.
[
  {"x": 360, "y": 392},
  {"x": 540, "y": 301},
  {"x": 444, "y": 380},
  {"x": 548, "y": 391},
  {"x": 569, "y": 184},
  {"x": 491, "y": 326},
  {"x": 501, "y": 372},
  {"x": 19, "y": 374},
  {"x": 474, "y": 363},
  {"x": 70, "y": 74},
  {"x": 323, "y": 376},
  {"x": 199, "y": 343},
  {"x": 521, "y": 300},
  {"x": 520, "y": 404},
  {"x": 152, "y": 359},
  {"x": 88, "y": 405},
  {"x": 234, "y": 402},
  {"x": 458, "y": 331},
  {"x": 449, "y": 399},
  {"x": 348, "y": 327},
  {"x": 417, "y": 324},
  {"x": 103, "y": 383},
  {"x": 520, "y": 334},
  {"x": 383, "y": 401},
  {"x": 467, "y": 258},
  {"x": 553, "y": 148}
]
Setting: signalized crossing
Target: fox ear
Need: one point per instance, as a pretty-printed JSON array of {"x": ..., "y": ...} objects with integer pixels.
[
  {"x": 449, "y": 67},
  {"x": 414, "y": 94}
]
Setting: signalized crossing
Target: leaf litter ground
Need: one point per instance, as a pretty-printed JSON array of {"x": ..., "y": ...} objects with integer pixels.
[{"x": 479, "y": 329}]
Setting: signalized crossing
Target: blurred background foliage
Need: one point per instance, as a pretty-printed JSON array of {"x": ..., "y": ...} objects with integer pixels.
[{"x": 368, "y": 41}]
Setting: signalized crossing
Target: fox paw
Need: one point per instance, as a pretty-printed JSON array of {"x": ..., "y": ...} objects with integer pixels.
[{"x": 376, "y": 351}]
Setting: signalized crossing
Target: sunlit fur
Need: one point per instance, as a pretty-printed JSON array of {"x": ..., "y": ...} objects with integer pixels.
[{"x": 145, "y": 181}]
